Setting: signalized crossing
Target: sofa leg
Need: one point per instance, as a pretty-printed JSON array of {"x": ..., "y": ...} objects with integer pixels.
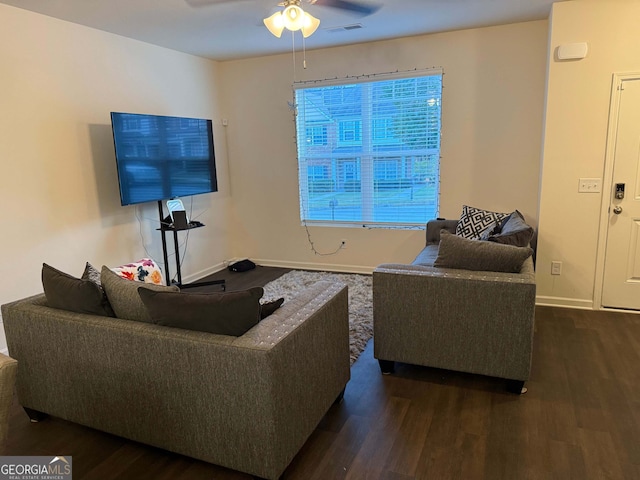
[
  {"x": 386, "y": 366},
  {"x": 34, "y": 415},
  {"x": 516, "y": 386},
  {"x": 340, "y": 397}
]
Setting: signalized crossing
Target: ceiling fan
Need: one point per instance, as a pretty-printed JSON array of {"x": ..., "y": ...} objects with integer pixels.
[
  {"x": 293, "y": 17},
  {"x": 357, "y": 7},
  {"x": 350, "y": 6}
]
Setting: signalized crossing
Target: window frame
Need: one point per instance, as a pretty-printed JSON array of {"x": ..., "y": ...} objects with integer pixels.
[{"x": 379, "y": 138}]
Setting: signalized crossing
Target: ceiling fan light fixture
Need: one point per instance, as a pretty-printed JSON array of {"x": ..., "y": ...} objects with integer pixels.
[
  {"x": 310, "y": 25},
  {"x": 275, "y": 24},
  {"x": 293, "y": 18}
]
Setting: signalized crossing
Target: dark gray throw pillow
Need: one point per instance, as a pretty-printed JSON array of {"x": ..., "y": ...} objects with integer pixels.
[
  {"x": 224, "y": 313},
  {"x": 267, "y": 308},
  {"x": 514, "y": 231},
  {"x": 493, "y": 229},
  {"x": 78, "y": 295},
  {"x": 457, "y": 252},
  {"x": 123, "y": 295}
]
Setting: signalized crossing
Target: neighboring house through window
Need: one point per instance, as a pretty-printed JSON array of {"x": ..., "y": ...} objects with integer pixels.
[{"x": 369, "y": 150}]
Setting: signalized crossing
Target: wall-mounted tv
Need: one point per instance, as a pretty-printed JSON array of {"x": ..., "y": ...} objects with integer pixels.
[{"x": 161, "y": 157}]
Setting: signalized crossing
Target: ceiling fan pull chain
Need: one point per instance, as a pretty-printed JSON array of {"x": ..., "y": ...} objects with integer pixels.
[
  {"x": 293, "y": 48},
  {"x": 304, "y": 54}
]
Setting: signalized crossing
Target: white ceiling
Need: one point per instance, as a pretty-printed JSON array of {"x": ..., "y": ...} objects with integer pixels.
[{"x": 230, "y": 29}]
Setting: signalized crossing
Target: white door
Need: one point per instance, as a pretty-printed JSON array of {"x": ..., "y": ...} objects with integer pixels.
[{"x": 621, "y": 286}]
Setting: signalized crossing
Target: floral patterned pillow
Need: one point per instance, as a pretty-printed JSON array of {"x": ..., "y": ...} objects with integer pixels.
[{"x": 144, "y": 270}]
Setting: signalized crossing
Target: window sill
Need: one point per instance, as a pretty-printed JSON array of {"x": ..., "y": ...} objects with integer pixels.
[{"x": 370, "y": 226}]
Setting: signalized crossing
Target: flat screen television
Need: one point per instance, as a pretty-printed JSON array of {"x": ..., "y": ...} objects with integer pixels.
[{"x": 160, "y": 157}]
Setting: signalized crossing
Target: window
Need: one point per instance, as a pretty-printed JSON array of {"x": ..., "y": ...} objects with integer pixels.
[
  {"x": 316, "y": 134},
  {"x": 369, "y": 151},
  {"x": 317, "y": 172},
  {"x": 350, "y": 132},
  {"x": 383, "y": 130},
  {"x": 386, "y": 169}
]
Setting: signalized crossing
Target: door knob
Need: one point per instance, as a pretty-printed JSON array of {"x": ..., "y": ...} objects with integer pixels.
[{"x": 617, "y": 209}]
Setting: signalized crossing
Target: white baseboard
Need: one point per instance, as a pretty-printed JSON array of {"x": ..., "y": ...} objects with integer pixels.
[
  {"x": 194, "y": 277},
  {"x": 323, "y": 267},
  {"x": 541, "y": 300},
  {"x": 545, "y": 301},
  {"x": 329, "y": 267}
]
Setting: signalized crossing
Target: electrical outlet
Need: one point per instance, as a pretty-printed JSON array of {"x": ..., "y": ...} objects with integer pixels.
[
  {"x": 556, "y": 268},
  {"x": 343, "y": 243},
  {"x": 230, "y": 261}
]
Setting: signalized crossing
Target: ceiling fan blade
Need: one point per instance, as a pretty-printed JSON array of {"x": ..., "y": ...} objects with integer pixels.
[
  {"x": 205, "y": 3},
  {"x": 355, "y": 7}
]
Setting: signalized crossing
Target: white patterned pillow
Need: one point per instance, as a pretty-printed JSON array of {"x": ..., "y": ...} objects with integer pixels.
[
  {"x": 474, "y": 221},
  {"x": 144, "y": 270}
]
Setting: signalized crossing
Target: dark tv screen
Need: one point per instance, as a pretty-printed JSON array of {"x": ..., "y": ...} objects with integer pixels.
[{"x": 160, "y": 157}]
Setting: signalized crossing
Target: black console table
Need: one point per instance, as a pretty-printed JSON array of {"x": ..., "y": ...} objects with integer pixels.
[{"x": 167, "y": 226}]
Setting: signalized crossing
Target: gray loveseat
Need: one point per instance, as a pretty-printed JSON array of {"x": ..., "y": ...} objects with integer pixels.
[
  {"x": 471, "y": 321},
  {"x": 8, "y": 367},
  {"x": 248, "y": 403}
]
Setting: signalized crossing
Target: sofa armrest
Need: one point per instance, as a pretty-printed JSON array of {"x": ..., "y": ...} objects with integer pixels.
[
  {"x": 434, "y": 227},
  {"x": 8, "y": 368}
]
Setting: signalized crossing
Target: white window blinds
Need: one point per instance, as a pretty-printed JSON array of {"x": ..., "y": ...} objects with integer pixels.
[{"x": 369, "y": 149}]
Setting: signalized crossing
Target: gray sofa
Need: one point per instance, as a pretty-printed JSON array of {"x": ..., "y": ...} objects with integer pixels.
[
  {"x": 8, "y": 368},
  {"x": 471, "y": 321},
  {"x": 248, "y": 403}
]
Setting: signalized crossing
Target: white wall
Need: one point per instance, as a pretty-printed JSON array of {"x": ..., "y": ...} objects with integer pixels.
[
  {"x": 59, "y": 188},
  {"x": 575, "y": 136},
  {"x": 61, "y": 80},
  {"x": 491, "y": 138}
]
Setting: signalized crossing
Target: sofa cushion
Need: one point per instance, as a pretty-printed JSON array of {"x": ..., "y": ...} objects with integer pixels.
[
  {"x": 78, "y": 295},
  {"x": 427, "y": 256},
  {"x": 494, "y": 229},
  {"x": 143, "y": 270},
  {"x": 457, "y": 252},
  {"x": 474, "y": 221},
  {"x": 223, "y": 313},
  {"x": 123, "y": 295},
  {"x": 514, "y": 231}
]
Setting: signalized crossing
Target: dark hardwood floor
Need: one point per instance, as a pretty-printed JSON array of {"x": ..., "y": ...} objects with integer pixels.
[
  {"x": 579, "y": 420},
  {"x": 257, "y": 277}
]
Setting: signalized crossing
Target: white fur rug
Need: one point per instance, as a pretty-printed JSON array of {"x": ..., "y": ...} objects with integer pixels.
[{"x": 360, "y": 300}]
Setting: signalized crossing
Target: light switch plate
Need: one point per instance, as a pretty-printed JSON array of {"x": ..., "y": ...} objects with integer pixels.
[{"x": 590, "y": 185}]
